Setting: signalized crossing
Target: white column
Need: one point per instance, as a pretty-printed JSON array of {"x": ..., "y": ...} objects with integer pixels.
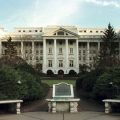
[
  {"x": 55, "y": 57},
  {"x": 44, "y": 55},
  {"x": 77, "y": 56},
  {"x": 0, "y": 48},
  {"x": 66, "y": 46},
  {"x": 98, "y": 46},
  {"x": 98, "y": 51},
  {"x": 88, "y": 53},
  {"x": 22, "y": 52},
  {"x": 33, "y": 53},
  {"x": 18, "y": 108}
]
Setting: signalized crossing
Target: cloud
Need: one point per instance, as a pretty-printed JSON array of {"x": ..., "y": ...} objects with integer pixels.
[
  {"x": 47, "y": 12},
  {"x": 115, "y": 3},
  {"x": 50, "y": 12}
]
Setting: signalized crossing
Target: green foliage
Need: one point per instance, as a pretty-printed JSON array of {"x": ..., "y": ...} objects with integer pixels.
[
  {"x": 104, "y": 81},
  {"x": 87, "y": 81},
  {"x": 51, "y": 82},
  {"x": 9, "y": 87},
  {"x": 30, "y": 88},
  {"x": 10, "y": 48},
  {"x": 108, "y": 84},
  {"x": 83, "y": 68},
  {"x": 107, "y": 55}
]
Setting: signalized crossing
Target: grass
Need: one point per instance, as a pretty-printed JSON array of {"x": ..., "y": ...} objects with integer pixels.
[{"x": 51, "y": 82}]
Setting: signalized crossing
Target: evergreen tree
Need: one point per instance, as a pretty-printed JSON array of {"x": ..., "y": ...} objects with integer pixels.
[
  {"x": 107, "y": 56},
  {"x": 10, "y": 48}
]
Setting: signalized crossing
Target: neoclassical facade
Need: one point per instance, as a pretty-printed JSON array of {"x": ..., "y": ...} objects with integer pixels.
[{"x": 56, "y": 48}]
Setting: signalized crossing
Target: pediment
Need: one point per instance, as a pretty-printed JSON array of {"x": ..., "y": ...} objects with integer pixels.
[{"x": 64, "y": 32}]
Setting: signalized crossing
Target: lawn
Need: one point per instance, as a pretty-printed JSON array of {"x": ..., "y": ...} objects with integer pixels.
[{"x": 51, "y": 82}]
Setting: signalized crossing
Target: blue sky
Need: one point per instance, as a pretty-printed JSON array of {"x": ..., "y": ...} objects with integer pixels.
[{"x": 36, "y": 13}]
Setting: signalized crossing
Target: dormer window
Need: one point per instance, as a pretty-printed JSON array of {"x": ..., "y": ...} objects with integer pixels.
[
  {"x": 96, "y": 31},
  {"x": 30, "y": 31},
  {"x": 54, "y": 33},
  {"x": 36, "y": 30},
  {"x": 19, "y": 30},
  {"x": 91, "y": 31},
  {"x": 23, "y": 30},
  {"x": 60, "y": 33},
  {"x": 84, "y": 31}
]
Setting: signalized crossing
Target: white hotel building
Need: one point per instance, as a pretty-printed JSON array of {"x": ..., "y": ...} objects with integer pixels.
[{"x": 56, "y": 48}]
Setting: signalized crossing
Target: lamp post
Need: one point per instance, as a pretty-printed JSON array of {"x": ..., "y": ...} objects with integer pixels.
[{"x": 111, "y": 89}]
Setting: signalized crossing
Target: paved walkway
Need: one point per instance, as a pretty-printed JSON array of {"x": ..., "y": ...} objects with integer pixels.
[{"x": 86, "y": 115}]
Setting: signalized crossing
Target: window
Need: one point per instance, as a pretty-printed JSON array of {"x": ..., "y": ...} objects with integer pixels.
[
  {"x": 37, "y": 52},
  {"x": 19, "y": 30},
  {"x": 30, "y": 31},
  {"x": 40, "y": 30},
  {"x": 50, "y": 50},
  {"x": 37, "y": 58},
  {"x": 84, "y": 58},
  {"x": 26, "y": 51},
  {"x": 30, "y": 51},
  {"x": 49, "y": 63},
  {"x": 60, "y": 50},
  {"x": 79, "y": 52},
  {"x": 94, "y": 51},
  {"x": 37, "y": 44},
  {"x": 23, "y": 30},
  {"x": 60, "y": 33},
  {"x": 91, "y": 31},
  {"x": 41, "y": 58},
  {"x": 41, "y": 51},
  {"x": 71, "y": 63},
  {"x": 71, "y": 50},
  {"x": 96, "y": 31},
  {"x": 83, "y": 52},
  {"x": 60, "y": 63},
  {"x": 36, "y": 30},
  {"x": 79, "y": 58},
  {"x": 30, "y": 58},
  {"x": 85, "y": 31},
  {"x": 90, "y": 58},
  {"x": 41, "y": 44}
]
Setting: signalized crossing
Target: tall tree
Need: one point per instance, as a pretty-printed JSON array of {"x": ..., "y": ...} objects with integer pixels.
[
  {"x": 107, "y": 56},
  {"x": 10, "y": 48}
]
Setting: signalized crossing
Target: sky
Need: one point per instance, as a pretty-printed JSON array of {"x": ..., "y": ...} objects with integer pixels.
[{"x": 37, "y": 13}]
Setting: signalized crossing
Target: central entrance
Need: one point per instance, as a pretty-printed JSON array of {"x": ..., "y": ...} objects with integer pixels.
[{"x": 61, "y": 73}]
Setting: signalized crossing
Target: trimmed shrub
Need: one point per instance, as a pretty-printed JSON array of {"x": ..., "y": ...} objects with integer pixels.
[{"x": 108, "y": 84}]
